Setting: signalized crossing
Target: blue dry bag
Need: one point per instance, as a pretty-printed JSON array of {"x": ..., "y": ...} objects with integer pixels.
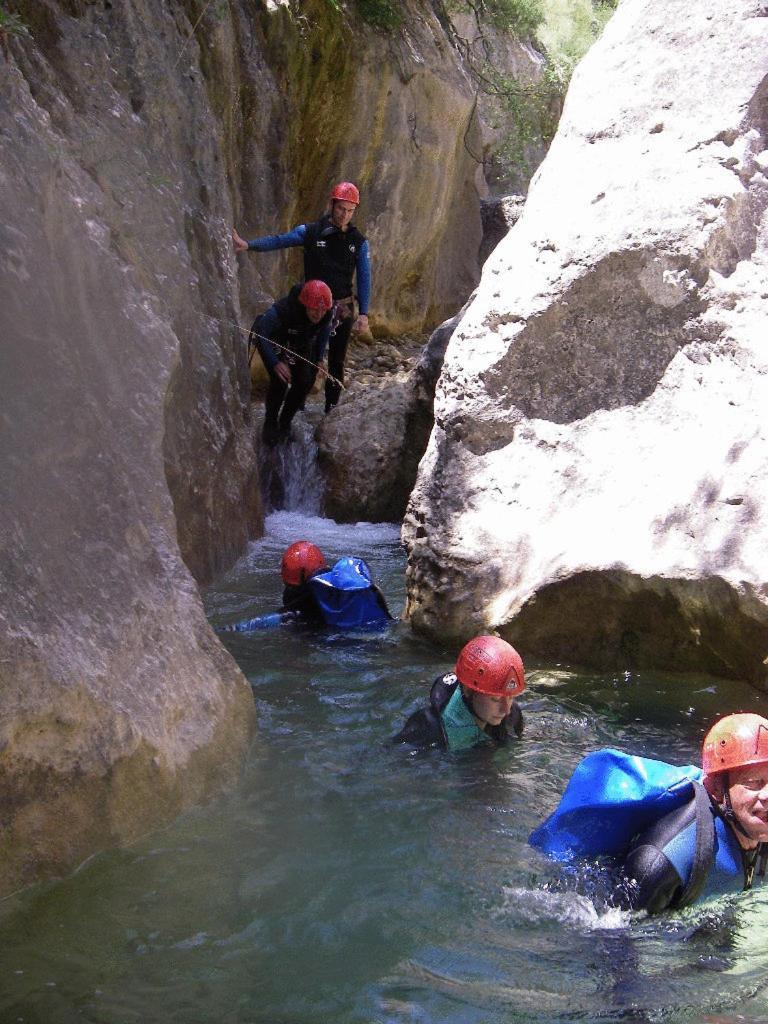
[
  {"x": 610, "y": 797},
  {"x": 347, "y": 597}
]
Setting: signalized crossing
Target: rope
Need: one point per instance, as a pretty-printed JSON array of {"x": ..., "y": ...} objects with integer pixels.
[
  {"x": 283, "y": 348},
  {"x": 191, "y": 35}
]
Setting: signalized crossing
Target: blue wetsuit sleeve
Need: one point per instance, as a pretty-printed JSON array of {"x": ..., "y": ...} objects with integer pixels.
[
  {"x": 364, "y": 278},
  {"x": 264, "y": 327},
  {"x": 267, "y": 243},
  {"x": 321, "y": 343},
  {"x": 260, "y": 622}
]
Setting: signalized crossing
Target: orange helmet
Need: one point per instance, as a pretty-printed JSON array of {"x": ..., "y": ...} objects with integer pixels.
[
  {"x": 316, "y": 295},
  {"x": 346, "y": 191},
  {"x": 490, "y": 665},
  {"x": 735, "y": 741},
  {"x": 300, "y": 561}
]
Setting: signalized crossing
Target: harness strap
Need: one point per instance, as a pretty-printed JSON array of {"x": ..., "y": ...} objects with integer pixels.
[
  {"x": 704, "y": 853},
  {"x": 343, "y": 309},
  {"x": 754, "y": 859},
  {"x": 288, "y": 352}
]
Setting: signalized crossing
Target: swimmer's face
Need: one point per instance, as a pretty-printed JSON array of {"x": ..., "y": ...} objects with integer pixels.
[
  {"x": 749, "y": 799},
  {"x": 490, "y": 709}
]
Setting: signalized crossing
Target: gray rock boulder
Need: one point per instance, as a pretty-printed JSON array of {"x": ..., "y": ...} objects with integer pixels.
[
  {"x": 595, "y": 484},
  {"x": 369, "y": 447}
]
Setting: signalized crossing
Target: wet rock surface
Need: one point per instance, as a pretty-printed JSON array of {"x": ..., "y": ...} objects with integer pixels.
[{"x": 594, "y": 487}]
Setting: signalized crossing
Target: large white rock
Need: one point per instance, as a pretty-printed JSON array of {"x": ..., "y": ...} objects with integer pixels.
[{"x": 595, "y": 484}]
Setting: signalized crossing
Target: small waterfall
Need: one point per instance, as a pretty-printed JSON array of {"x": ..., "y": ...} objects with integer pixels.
[{"x": 290, "y": 476}]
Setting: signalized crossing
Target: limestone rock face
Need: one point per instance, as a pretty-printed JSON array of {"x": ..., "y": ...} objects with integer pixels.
[
  {"x": 499, "y": 215},
  {"x": 595, "y": 484},
  {"x": 118, "y": 706},
  {"x": 126, "y": 108},
  {"x": 399, "y": 117}
]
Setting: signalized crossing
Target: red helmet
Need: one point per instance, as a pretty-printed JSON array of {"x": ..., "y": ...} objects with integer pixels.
[
  {"x": 735, "y": 741},
  {"x": 490, "y": 665},
  {"x": 300, "y": 561},
  {"x": 316, "y": 295},
  {"x": 347, "y": 191}
]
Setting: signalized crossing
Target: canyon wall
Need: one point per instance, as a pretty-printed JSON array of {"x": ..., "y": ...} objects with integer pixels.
[{"x": 595, "y": 482}]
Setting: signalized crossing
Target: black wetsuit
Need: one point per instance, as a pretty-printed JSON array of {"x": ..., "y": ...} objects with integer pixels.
[
  {"x": 661, "y": 860},
  {"x": 300, "y": 600},
  {"x": 299, "y": 343},
  {"x": 427, "y": 727},
  {"x": 331, "y": 255}
]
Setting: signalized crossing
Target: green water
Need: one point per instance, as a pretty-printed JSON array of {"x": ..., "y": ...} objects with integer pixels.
[{"x": 346, "y": 882}]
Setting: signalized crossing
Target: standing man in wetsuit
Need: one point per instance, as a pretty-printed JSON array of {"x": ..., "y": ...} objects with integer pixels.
[
  {"x": 664, "y": 858},
  {"x": 474, "y": 704},
  {"x": 334, "y": 250},
  {"x": 291, "y": 337}
]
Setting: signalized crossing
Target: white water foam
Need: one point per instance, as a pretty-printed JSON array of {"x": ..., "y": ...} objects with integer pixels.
[
  {"x": 291, "y": 478},
  {"x": 537, "y": 905}
]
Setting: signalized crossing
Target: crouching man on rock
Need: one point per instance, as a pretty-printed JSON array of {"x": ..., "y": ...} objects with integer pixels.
[
  {"x": 291, "y": 337},
  {"x": 474, "y": 704}
]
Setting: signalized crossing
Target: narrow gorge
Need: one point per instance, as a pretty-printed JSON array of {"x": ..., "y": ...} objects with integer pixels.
[{"x": 133, "y": 136}]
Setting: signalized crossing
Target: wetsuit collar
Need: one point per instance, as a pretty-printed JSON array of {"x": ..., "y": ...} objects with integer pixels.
[{"x": 461, "y": 728}]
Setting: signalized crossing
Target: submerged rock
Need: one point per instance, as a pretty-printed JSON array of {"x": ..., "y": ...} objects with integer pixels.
[{"x": 595, "y": 484}]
